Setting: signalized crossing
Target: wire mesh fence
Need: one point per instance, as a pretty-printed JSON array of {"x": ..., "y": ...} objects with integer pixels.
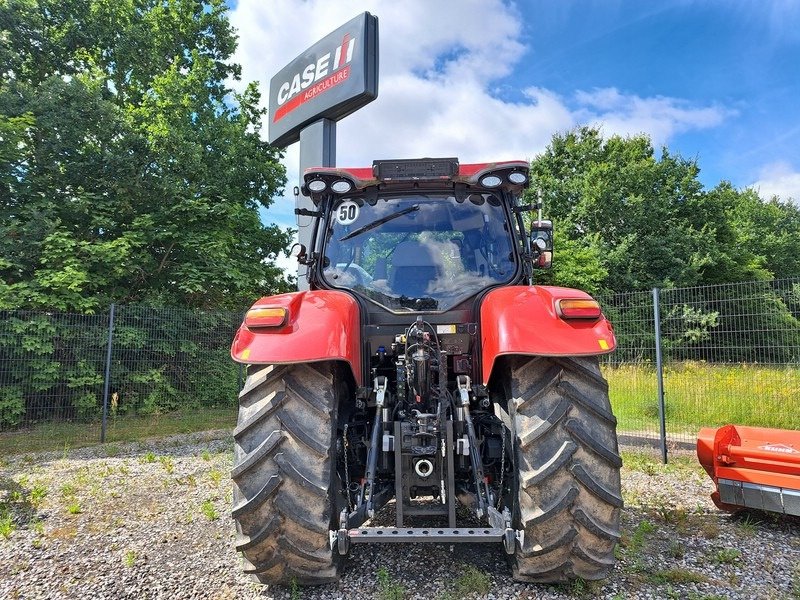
[
  {"x": 731, "y": 354},
  {"x": 169, "y": 370}
]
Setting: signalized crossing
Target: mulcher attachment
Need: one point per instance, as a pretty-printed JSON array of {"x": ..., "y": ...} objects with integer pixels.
[{"x": 753, "y": 467}]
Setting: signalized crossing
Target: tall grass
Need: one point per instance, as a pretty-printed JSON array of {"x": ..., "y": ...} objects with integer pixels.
[
  {"x": 57, "y": 436},
  {"x": 698, "y": 394}
]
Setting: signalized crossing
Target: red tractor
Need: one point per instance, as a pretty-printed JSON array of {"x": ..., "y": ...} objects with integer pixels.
[{"x": 423, "y": 367}]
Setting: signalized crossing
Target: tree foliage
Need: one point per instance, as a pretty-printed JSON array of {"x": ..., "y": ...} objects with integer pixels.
[
  {"x": 129, "y": 171},
  {"x": 628, "y": 220}
]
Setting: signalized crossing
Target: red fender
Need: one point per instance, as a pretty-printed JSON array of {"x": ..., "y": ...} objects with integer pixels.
[
  {"x": 321, "y": 325},
  {"x": 524, "y": 320}
]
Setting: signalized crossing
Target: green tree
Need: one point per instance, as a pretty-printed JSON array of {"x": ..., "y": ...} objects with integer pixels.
[
  {"x": 129, "y": 171},
  {"x": 644, "y": 221}
]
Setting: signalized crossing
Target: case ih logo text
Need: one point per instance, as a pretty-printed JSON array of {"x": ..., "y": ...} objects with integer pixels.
[{"x": 315, "y": 78}]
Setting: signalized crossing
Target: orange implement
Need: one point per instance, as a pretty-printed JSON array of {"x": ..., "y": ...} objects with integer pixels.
[{"x": 753, "y": 467}]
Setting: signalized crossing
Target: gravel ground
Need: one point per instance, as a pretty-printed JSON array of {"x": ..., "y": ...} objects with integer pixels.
[{"x": 151, "y": 520}]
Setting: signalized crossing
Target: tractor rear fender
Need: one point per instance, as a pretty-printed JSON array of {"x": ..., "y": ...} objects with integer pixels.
[
  {"x": 313, "y": 326},
  {"x": 528, "y": 320}
]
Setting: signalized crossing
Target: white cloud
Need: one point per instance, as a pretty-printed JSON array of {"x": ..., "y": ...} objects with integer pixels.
[
  {"x": 659, "y": 117},
  {"x": 778, "y": 179},
  {"x": 441, "y": 63}
]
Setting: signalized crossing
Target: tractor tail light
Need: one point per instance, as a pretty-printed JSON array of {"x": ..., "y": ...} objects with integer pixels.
[
  {"x": 578, "y": 309},
  {"x": 262, "y": 316}
]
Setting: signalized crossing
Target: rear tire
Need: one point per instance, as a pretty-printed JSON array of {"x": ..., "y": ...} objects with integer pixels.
[
  {"x": 568, "y": 496},
  {"x": 285, "y": 481}
]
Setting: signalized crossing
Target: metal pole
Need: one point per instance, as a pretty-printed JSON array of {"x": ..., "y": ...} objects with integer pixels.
[
  {"x": 660, "y": 376},
  {"x": 317, "y": 149},
  {"x": 108, "y": 374}
]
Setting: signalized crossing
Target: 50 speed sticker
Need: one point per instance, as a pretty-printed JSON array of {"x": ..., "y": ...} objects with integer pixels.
[{"x": 347, "y": 213}]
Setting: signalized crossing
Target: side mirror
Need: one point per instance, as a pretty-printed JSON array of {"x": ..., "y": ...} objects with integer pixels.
[
  {"x": 542, "y": 244},
  {"x": 299, "y": 252}
]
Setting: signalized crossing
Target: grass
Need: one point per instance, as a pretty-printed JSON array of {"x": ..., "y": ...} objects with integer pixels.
[
  {"x": 67, "y": 435},
  {"x": 7, "y": 526},
  {"x": 699, "y": 394},
  {"x": 167, "y": 463},
  {"x": 472, "y": 581},
  {"x": 727, "y": 556},
  {"x": 130, "y": 558},
  {"x": 37, "y": 494},
  {"x": 388, "y": 588},
  {"x": 208, "y": 509}
]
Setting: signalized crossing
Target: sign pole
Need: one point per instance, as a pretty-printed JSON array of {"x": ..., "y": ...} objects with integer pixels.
[{"x": 317, "y": 149}]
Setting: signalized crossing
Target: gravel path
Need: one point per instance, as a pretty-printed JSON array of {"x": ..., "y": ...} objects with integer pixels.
[{"x": 151, "y": 520}]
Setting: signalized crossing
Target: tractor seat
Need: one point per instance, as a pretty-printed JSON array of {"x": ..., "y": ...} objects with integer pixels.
[{"x": 414, "y": 267}]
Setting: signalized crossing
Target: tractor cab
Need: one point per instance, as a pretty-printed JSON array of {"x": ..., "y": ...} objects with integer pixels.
[
  {"x": 426, "y": 251},
  {"x": 422, "y": 235}
]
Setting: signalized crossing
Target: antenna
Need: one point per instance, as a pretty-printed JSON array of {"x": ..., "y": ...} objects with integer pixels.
[{"x": 539, "y": 201}]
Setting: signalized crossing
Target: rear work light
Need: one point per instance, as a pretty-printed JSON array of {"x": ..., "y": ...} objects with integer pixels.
[
  {"x": 574, "y": 308},
  {"x": 263, "y": 316}
]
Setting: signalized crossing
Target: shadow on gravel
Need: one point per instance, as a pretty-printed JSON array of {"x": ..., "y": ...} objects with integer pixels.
[{"x": 18, "y": 504}]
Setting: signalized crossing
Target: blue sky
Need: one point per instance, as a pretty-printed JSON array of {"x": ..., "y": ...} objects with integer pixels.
[{"x": 487, "y": 80}]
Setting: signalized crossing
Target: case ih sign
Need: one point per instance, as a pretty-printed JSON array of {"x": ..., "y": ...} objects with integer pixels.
[{"x": 335, "y": 77}]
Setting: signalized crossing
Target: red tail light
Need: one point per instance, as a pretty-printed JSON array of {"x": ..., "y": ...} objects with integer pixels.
[{"x": 574, "y": 308}]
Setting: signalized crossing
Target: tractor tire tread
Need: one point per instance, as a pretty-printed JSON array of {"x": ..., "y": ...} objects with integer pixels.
[
  {"x": 284, "y": 473},
  {"x": 568, "y": 469}
]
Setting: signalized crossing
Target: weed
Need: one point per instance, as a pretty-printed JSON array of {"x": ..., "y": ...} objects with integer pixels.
[
  {"x": 710, "y": 529},
  {"x": 82, "y": 477},
  {"x": 727, "y": 556},
  {"x": 112, "y": 449},
  {"x": 472, "y": 581},
  {"x": 673, "y": 516},
  {"x": 130, "y": 558},
  {"x": 74, "y": 508},
  {"x": 677, "y": 576},
  {"x": 294, "y": 589},
  {"x": 7, "y": 526},
  {"x": 388, "y": 589},
  {"x": 207, "y": 508},
  {"x": 37, "y": 543},
  {"x": 37, "y": 494},
  {"x": 37, "y": 526},
  {"x": 215, "y": 476},
  {"x": 677, "y": 550},
  {"x": 167, "y": 463},
  {"x": 148, "y": 458},
  {"x": 637, "y": 539},
  {"x": 68, "y": 490},
  {"x": 206, "y": 455},
  {"x": 748, "y": 526}
]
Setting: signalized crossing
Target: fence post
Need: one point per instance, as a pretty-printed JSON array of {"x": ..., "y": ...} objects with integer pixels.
[
  {"x": 662, "y": 419},
  {"x": 107, "y": 381}
]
